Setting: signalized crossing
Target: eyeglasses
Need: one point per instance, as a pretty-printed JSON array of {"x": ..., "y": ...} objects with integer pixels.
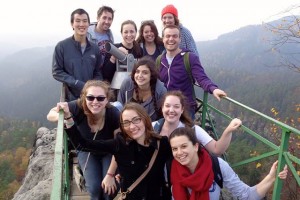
[
  {"x": 92, "y": 98},
  {"x": 134, "y": 120}
]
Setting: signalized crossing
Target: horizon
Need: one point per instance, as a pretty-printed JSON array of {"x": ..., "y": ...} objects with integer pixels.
[{"x": 55, "y": 26}]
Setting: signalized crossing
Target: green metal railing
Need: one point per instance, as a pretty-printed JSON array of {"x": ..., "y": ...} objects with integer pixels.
[{"x": 61, "y": 179}]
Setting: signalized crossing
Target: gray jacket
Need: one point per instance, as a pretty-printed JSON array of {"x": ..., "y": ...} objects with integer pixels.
[
  {"x": 126, "y": 93},
  {"x": 74, "y": 68}
]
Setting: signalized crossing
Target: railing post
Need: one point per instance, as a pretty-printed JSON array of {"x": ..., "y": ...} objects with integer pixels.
[
  {"x": 281, "y": 162},
  {"x": 204, "y": 109}
]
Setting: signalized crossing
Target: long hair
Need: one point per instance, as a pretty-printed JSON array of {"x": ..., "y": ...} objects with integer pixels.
[
  {"x": 81, "y": 102},
  {"x": 136, "y": 46},
  {"x": 185, "y": 117},
  {"x": 149, "y": 132},
  {"x": 157, "y": 40}
]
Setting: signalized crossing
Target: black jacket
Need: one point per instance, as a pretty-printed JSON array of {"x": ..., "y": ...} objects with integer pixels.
[{"x": 132, "y": 159}]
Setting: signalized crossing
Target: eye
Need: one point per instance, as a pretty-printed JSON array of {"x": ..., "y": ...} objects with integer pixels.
[{"x": 174, "y": 149}]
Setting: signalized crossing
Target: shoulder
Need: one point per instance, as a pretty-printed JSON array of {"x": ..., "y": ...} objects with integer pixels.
[{"x": 160, "y": 87}]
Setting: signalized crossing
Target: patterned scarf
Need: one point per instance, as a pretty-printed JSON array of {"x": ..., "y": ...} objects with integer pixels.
[{"x": 199, "y": 182}]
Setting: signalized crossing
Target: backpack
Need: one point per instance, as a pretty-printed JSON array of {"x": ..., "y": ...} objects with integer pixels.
[
  {"x": 217, "y": 170},
  {"x": 186, "y": 60}
]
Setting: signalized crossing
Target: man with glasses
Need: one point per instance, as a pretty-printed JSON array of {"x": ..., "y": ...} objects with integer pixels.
[
  {"x": 175, "y": 76},
  {"x": 75, "y": 59}
]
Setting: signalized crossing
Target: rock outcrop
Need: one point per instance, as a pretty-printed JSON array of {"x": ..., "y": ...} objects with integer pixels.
[{"x": 37, "y": 183}]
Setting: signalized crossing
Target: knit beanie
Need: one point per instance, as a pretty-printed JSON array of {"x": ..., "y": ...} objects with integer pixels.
[{"x": 169, "y": 9}]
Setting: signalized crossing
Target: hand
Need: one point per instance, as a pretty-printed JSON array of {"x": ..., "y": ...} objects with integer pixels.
[
  {"x": 234, "y": 124},
  {"x": 65, "y": 107},
  {"x": 123, "y": 50},
  {"x": 109, "y": 185},
  {"x": 282, "y": 174},
  {"x": 118, "y": 178},
  {"x": 219, "y": 93}
]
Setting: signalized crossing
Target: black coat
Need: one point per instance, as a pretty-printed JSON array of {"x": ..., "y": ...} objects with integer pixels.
[{"x": 132, "y": 159}]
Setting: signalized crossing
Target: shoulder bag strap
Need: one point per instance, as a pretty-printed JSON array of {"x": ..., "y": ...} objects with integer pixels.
[{"x": 144, "y": 173}]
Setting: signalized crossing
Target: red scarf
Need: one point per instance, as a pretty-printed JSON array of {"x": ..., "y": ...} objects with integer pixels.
[{"x": 199, "y": 182}]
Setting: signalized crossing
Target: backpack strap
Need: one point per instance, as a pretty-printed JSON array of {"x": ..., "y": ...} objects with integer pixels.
[
  {"x": 186, "y": 59},
  {"x": 217, "y": 170},
  {"x": 158, "y": 61}
]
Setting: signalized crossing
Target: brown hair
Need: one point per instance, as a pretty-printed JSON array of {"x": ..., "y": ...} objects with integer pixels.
[
  {"x": 149, "y": 132},
  {"x": 158, "y": 41},
  {"x": 185, "y": 117},
  {"x": 171, "y": 27},
  {"x": 136, "y": 47},
  {"x": 105, "y": 8},
  {"x": 81, "y": 102}
]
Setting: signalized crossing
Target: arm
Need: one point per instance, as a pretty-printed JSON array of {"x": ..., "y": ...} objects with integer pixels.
[
  {"x": 59, "y": 70},
  {"x": 243, "y": 191},
  {"x": 98, "y": 70},
  {"x": 220, "y": 146},
  {"x": 52, "y": 116},
  {"x": 265, "y": 185}
]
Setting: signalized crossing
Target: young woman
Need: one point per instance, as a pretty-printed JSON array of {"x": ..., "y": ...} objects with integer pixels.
[
  {"x": 95, "y": 119},
  {"x": 169, "y": 16},
  {"x": 149, "y": 39},
  {"x": 132, "y": 148},
  {"x": 144, "y": 87},
  {"x": 192, "y": 176},
  {"x": 176, "y": 115},
  {"x": 127, "y": 46}
]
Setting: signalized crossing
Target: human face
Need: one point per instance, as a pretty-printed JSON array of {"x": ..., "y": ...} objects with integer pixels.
[
  {"x": 168, "y": 19},
  {"x": 142, "y": 76},
  {"x": 171, "y": 39},
  {"x": 128, "y": 33},
  {"x": 135, "y": 131},
  {"x": 80, "y": 24},
  {"x": 184, "y": 151},
  {"x": 148, "y": 34},
  {"x": 172, "y": 109},
  {"x": 104, "y": 21},
  {"x": 96, "y": 106}
]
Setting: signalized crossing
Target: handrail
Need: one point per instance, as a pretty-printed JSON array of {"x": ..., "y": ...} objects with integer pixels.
[
  {"x": 284, "y": 157},
  {"x": 60, "y": 181}
]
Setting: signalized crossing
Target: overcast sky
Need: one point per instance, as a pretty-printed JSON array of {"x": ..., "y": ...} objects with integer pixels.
[{"x": 49, "y": 21}]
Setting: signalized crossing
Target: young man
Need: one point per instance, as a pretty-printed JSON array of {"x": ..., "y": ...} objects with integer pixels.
[
  {"x": 75, "y": 59},
  {"x": 99, "y": 33},
  {"x": 169, "y": 16},
  {"x": 173, "y": 73}
]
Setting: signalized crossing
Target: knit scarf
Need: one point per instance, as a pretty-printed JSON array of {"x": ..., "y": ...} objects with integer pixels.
[{"x": 199, "y": 182}]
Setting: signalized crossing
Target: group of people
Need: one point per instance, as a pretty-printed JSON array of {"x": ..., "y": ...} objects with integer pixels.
[{"x": 157, "y": 105}]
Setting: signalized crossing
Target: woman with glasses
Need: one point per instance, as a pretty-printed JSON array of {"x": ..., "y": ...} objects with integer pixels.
[
  {"x": 144, "y": 88},
  {"x": 149, "y": 39},
  {"x": 95, "y": 119},
  {"x": 132, "y": 148}
]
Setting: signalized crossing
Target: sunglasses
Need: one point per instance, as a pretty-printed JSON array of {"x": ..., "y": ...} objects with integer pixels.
[{"x": 92, "y": 98}]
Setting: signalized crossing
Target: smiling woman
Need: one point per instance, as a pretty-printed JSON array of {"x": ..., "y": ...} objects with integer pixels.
[
  {"x": 95, "y": 119},
  {"x": 144, "y": 87}
]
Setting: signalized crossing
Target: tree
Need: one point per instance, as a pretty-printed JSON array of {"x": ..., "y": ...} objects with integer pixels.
[{"x": 286, "y": 40}]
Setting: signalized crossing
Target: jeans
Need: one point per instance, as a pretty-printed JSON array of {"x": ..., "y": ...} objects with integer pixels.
[{"x": 94, "y": 173}]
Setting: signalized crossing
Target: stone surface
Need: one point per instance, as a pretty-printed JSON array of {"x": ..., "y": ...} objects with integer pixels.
[{"x": 37, "y": 183}]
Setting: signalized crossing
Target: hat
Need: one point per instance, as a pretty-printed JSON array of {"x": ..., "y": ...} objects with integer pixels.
[{"x": 169, "y": 9}]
